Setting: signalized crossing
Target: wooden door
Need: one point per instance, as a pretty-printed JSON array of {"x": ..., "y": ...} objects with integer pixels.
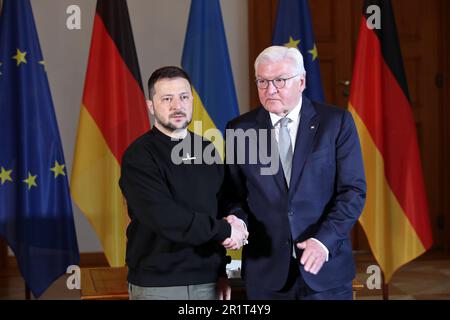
[{"x": 333, "y": 29}]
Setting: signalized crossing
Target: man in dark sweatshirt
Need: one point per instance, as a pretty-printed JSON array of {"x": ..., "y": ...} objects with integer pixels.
[{"x": 176, "y": 239}]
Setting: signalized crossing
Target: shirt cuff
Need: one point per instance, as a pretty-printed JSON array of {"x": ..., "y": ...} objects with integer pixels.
[
  {"x": 243, "y": 223},
  {"x": 245, "y": 228},
  {"x": 323, "y": 246}
]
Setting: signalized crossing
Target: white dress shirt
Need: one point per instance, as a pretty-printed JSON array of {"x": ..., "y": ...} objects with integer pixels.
[{"x": 294, "y": 116}]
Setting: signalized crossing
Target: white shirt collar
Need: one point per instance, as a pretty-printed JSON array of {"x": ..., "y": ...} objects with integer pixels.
[{"x": 293, "y": 114}]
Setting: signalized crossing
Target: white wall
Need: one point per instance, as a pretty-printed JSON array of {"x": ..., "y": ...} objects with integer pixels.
[{"x": 159, "y": 28}]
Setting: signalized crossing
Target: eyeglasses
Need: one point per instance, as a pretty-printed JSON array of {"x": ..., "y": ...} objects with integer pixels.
[{"x": 278, "y": 82}]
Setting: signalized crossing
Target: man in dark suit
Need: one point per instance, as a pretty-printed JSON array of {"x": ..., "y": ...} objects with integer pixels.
[{"x": 299, "y": 218}]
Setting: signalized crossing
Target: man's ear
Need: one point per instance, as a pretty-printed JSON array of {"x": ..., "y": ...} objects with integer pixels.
[
  {"x": 150, "y": 107},
  {"x": 302, "y": 83}
]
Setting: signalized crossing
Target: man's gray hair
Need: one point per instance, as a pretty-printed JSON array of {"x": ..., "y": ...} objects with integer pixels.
[{"x": 278, "y": 53}]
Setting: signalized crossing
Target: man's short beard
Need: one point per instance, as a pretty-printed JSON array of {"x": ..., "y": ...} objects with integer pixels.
[{"x": 170, "y": 127}]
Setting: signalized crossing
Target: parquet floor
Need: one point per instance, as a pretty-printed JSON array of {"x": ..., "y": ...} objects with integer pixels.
[{"x": 426, "y": 278}]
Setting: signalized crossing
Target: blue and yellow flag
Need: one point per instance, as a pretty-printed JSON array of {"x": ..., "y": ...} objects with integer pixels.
[
  {"x": 293, "y": 28},
  {"x": 206, "y": 60},
  {"x": 35, "y": 209}
]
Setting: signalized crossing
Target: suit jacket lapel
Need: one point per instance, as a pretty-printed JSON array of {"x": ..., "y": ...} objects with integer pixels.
[
  {"x": 309, "y": 123},
  {"x": 263, "y": 120}
]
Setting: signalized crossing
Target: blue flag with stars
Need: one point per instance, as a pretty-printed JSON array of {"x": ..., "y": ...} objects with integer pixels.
[
  {"x": 293, "y": 28},
  {"x": 36, "y": 216}
]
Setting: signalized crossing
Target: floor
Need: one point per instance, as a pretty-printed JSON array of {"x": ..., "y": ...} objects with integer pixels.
[{"x": 426, "y": 278}]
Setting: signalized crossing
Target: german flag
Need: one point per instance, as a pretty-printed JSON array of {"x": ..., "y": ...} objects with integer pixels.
[
  {"x": 113, "y": 114},
  {"x": 395, "y": 218}
]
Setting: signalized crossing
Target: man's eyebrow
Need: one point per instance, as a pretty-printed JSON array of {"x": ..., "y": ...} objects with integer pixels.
[{"x": 283, "y": 75}]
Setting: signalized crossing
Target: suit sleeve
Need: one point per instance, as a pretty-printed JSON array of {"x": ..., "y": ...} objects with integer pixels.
[
  {"x": 233, "y": 193},
  {"x": 151, "y": 202},
  {"x": 350, "y": 193}
]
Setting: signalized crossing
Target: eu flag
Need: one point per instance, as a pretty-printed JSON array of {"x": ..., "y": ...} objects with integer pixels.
[
  {"x": 35, "y": 209},
  {"x": 206, "y": 60},
  {"x": 293, "y": 28}
]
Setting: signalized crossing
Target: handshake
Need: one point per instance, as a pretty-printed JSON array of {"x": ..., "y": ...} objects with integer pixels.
[{"x": 239, "y": 234}]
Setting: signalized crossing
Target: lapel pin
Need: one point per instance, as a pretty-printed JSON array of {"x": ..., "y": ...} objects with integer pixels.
[
  {"x": 312, "y": 127},
  {"x": 188, "y": 157}
]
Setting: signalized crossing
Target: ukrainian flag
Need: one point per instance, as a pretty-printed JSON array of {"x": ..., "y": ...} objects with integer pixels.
[{"x": 206, "y": 60}]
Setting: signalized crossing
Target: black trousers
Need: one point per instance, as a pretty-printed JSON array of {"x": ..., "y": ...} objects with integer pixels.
[{"x": 297, "y": 289}]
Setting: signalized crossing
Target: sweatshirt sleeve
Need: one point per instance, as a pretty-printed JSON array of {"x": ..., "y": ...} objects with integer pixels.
[{"x": 151, "y": 202}]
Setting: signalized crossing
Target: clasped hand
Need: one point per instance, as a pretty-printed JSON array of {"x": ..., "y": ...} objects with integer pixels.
[{"x": 239, "y": 233}]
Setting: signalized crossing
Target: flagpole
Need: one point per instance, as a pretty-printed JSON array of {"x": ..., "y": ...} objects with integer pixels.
[{"x": 385, "y": 288}]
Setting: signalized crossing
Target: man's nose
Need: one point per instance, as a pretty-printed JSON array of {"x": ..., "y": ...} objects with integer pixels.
[
  {"x": 175, "y": 104},
  {"x": 271, "y": 89}
]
